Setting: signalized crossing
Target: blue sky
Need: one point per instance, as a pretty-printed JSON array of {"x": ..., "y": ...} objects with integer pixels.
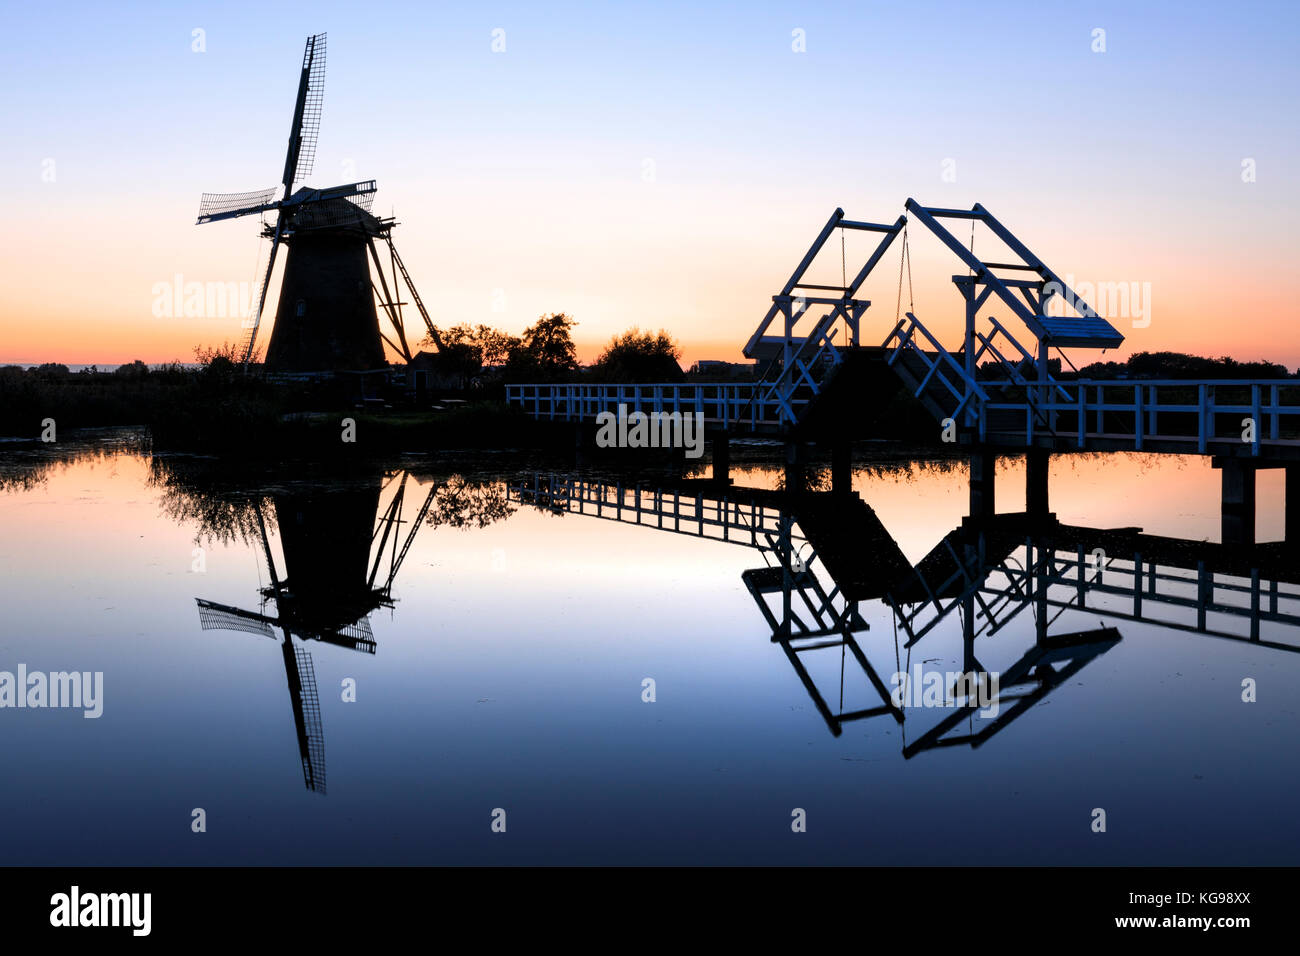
[{"x": 522, "y": 171}]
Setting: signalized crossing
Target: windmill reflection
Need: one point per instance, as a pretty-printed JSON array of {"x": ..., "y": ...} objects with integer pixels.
[
  {"x": 328, "y": 589},
  {"x": 343, "y": 542},
  {"x": 826, "y": 555}
]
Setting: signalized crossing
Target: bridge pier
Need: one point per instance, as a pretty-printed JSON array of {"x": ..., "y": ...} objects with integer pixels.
[
  {"x": 796, "y": 467},
  {"x": 720, "y": 446},
  {"x": 1291, "y": 506},
  {"x": 841, "y": 468},
  {"x": 581, "y": 446},
  {"x": 1238, "y": 505},
  {"x": 1036, "y": 461},
  {"x": 982, "y": 466}
]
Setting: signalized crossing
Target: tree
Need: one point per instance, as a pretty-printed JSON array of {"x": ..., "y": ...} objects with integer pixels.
[
  {"x": 637, "y": 356},
  {"x": 495, "y": 344},
  {"x": 545, "y": 351},
  {"x": 550, "y": 343},
  {"x": 459, "y": 353},
  {"x": 465, "y": 350},
  {"x": 491, "y": 346},
  {"x": 1181, "y": 366}
]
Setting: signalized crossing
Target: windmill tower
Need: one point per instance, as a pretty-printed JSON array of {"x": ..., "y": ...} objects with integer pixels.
[
  {"x": 330, "y": 585},
  {"x": 325, "y": 319}
]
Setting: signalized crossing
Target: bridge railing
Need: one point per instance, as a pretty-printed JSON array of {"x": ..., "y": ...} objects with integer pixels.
[
  {"x": 1181, "y": 598},
  {"x": 1258, "y": 413},
  {"x": 717, "y": 517},
  {"x": 720, "y": 405},
  {"x": 802, "y": 367},
  {"x": 970, "y": 398},
  {"x": 1125, "y": 585}
]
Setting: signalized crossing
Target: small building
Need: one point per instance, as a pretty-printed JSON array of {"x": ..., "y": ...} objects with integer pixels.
[
  {"x": 716, "y": 370},
  {"x": 430, "y": 372}
]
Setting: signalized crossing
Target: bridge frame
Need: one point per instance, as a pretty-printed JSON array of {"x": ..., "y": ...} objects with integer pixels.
[{"x": 1245, "y": 424}]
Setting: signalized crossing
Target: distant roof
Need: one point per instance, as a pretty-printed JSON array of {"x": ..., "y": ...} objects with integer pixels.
[{"x": 423, "y": 359}]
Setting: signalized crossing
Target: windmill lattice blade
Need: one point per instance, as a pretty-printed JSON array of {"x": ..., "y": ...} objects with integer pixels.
[
  {"x": 341, "y": 212},
  {"x": 229, "y": 205},
  {"x": 313, "y": 60},
  {"x": 313, "y": 758},
  {"x": 358, "y": 637},
  {"x": 215, "y": 617}
]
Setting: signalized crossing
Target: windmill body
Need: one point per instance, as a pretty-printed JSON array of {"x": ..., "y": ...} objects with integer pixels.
[
  {"x": 325, "y": 321},
  {"x": 326, "y": 318}
]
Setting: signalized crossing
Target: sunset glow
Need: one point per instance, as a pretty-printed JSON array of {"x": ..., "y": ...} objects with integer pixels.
[{"x": 654, "y": 165}]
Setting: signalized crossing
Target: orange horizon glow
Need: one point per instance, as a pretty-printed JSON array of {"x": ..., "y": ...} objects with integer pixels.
[{"x": 1193, "y": 309}]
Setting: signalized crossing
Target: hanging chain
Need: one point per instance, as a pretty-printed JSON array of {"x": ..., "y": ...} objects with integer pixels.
[
  {"x": 911, "y": 298},
  {"x": 902, "y": 254},
  {"x": 904, "y": 257},
  {"x": 844, "y": 281},
  {"x": 844, "y": 271}
]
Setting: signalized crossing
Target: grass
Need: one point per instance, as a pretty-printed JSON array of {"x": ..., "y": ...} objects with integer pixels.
[{"x": 215, "y": 409}]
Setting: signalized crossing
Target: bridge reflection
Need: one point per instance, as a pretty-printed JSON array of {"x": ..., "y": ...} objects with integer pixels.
[
  {"x": 826, "y": 557},
  {"x": 827, "y": 567}
]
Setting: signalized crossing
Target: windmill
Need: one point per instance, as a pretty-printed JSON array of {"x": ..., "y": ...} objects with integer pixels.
[
  {"x": 330, "y": 585},
  {"x": 325, "y": 319}
]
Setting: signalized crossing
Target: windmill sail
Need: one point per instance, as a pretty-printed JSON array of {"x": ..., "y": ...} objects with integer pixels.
[
  {"x": 306, "y": 715},
  {"x": 221, "y": 617},
  {"x": 306, "y": 119},
  {"x": 214, "y": 206},
  {"x": 356, "y": 637}
]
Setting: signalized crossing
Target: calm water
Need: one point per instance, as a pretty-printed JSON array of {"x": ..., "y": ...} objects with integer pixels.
[{"x": 499, "y": 656}]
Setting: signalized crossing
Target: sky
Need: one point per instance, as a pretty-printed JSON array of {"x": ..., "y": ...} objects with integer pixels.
[{"x": 659, "y": 165}]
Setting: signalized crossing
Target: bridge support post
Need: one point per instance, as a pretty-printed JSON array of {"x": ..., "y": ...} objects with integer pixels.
[
  {"x": 841, "y": 468},
  {"x": 677, "y": 456},
  {"x": 968, "y": 291},
  {"x": 1291, "y": 506},
  {"x": 720, "y": 445},
  {"x": 580, "y": 445},
  {"x": 982, "y": 466},
  {"x": 1238, "y": 507},
  {"x": 1036, "y": 460},
  {"x": 796, "y": 465}
]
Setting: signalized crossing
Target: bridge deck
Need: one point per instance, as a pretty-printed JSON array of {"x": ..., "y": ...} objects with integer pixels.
[{"x": 1235, "y": 418}]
